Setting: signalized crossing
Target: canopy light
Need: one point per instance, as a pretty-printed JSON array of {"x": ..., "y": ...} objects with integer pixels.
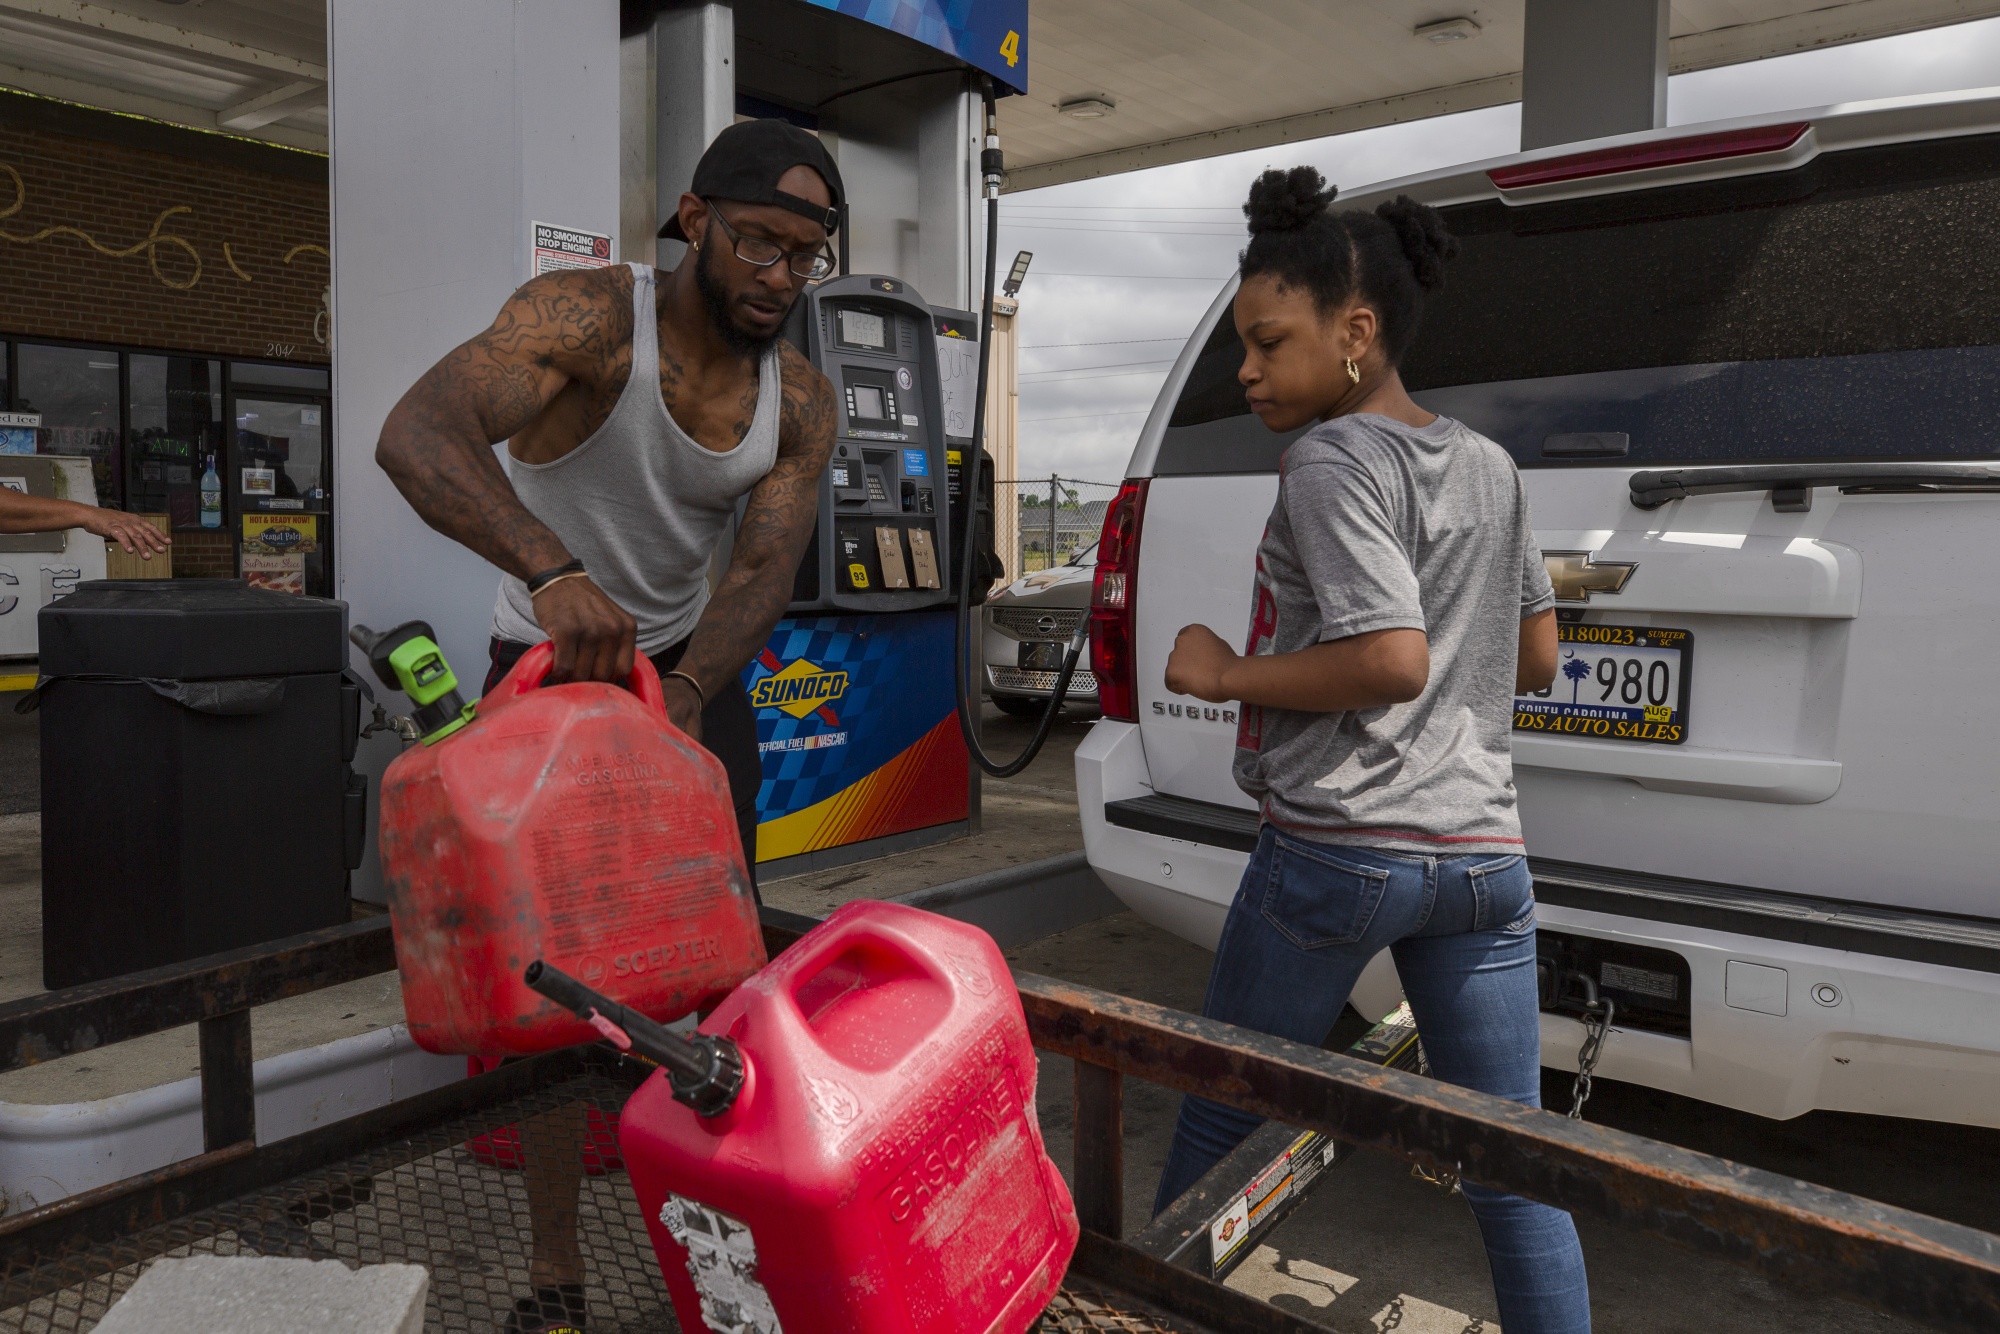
[
  {"x": 1659, "y": 153},
  {"x": 1447, "y": 30},
  {"x": 1087, "y": 108},
  {"x": 1018, "y": 274}
]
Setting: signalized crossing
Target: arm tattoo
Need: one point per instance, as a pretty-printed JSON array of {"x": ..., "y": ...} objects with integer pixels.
[
  {"x": 773, "y": 533},
  {"x": 558, "y": 331}
]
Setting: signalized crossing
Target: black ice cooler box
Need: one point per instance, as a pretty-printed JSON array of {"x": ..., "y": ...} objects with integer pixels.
[{"x": 196, "y": 789}]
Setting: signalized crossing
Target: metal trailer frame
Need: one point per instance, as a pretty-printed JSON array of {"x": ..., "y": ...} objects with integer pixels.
[{"x": 1925, "y": 1269}]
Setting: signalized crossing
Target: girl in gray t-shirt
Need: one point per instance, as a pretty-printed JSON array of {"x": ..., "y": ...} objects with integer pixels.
[{"x": 1400, "y": 603}]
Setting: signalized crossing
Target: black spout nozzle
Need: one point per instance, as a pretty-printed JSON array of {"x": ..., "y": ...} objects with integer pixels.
[{"x": 704, "y": 1071}]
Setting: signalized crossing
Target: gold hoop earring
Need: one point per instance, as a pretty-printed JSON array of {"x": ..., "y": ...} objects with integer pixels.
[{"x": 1353, "y": 371}]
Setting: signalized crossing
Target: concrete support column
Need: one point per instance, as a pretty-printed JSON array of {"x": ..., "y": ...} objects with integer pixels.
[
  {"x": 1592, "y": 68},
  {"x": 951, "y": 222},
  {"x": 694, "y": 62},
  {"x": 456, "y": 125},
  {"x": 909, "y": 155}
]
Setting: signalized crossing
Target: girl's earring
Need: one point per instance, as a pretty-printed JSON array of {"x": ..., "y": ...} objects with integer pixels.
[{"x": 1353, "y": 371}]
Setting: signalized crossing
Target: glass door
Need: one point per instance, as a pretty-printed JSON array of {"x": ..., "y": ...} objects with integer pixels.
[{"x": 279, "y": 485}]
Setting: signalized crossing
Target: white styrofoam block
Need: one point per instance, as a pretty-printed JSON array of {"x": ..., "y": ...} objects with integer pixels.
[
  {"x": 50, "y": 1151},
  {"x": 214, "y": 1294}
]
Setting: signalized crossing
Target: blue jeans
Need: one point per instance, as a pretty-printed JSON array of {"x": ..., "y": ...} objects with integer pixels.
[{"x": 1307, "y": 919}]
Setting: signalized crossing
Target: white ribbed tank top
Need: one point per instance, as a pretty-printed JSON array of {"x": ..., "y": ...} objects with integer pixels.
[{"x": 639, "y": 502}]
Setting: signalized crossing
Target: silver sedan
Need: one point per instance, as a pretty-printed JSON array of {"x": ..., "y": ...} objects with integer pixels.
[{"x": 1028, "y": 628}]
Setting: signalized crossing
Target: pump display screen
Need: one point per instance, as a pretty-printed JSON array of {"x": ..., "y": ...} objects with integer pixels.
[
  {"x": 860, "y": 328},
  {"x": 868, "y": 402}
]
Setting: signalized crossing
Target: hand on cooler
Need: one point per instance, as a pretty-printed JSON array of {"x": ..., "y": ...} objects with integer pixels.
[
  {"x": 1196, "y": 665},
  {"x": 594, "y": 637},
  {"x": 127, "y": 530}
]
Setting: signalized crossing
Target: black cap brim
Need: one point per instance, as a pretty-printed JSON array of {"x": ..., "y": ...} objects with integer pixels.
[{"x": 745, "y": 163}]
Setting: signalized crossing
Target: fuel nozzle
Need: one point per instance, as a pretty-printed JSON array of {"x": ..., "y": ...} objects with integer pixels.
[
  {"x": 408, "y": 659},
  {"x": 705, "y": 1072}
]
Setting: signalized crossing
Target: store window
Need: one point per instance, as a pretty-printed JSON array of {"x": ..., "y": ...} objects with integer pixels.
[
  {"x": 75, "y": 389},
  {"x": 175, "y": 437},
  {"x": 16, "y": 437},
  {"x": 281, "y": 493}
]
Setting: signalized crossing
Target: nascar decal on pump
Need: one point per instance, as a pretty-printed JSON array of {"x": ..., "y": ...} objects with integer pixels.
[{"x": 855, "y": 730}]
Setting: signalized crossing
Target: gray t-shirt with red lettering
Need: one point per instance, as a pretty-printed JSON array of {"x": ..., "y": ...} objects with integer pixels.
[{"x": 1383, "y": 526}]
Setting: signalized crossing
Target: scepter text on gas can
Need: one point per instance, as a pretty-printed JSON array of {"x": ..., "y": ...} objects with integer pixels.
[
  {"x": 882, "y": 1170},
  {"x": 572, "y": 823}
]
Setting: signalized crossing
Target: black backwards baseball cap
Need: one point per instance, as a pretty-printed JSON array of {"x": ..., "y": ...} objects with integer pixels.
[{"x": 746, "y": 160}]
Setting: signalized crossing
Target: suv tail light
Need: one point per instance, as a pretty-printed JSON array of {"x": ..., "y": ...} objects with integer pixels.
[{"x": 1113, "y": 590}]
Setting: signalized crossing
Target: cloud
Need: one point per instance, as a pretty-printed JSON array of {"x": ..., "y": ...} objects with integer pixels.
[{"x": 1126, "y": 265}]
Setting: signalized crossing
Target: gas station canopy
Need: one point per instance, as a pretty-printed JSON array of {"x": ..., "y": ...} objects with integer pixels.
[{"x": 1112, "y": 85}]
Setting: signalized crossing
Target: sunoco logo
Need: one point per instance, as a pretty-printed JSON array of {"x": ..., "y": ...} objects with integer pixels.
[{"x": 799, "y": 689}]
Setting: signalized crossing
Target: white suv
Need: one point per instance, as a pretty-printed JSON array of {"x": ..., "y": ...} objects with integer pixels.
[{"x": 1751, "y": 374}]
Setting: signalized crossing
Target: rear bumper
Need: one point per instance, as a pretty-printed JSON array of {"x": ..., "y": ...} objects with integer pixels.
[{"x": 1895, "y": 1036}]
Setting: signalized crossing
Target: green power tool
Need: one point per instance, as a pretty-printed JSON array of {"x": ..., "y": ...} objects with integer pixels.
[{"x": 408, "y": 659}]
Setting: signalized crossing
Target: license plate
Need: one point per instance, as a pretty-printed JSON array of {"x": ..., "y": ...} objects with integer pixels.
[
  {"x": 1618, "y": 682},
  {"x": 1042, "y": 657}
]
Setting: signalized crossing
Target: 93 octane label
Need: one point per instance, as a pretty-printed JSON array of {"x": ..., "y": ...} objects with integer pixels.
[{"x": 1618, "y": 682}]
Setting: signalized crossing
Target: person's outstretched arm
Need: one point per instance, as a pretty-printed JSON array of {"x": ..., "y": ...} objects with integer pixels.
[{"x": 39, "y": 514}]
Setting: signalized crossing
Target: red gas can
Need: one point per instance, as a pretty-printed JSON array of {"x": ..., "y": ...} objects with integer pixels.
[
  {"x": 882, "y": 1170},
  {"x": 571, "y": 823}
]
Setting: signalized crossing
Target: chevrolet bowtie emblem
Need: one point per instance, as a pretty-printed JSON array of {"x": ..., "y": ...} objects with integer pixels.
[{"x": 1576, "y": 576}]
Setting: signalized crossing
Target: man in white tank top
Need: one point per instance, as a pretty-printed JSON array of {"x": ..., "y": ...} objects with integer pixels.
[{"x": 638, "y": 408}]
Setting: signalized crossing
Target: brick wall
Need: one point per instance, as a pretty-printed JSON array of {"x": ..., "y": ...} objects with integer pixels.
[{"x": 214, "y": 276}]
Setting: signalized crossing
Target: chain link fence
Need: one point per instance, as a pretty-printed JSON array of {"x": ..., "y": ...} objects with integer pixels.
[{"x": 1041, "y": 522}]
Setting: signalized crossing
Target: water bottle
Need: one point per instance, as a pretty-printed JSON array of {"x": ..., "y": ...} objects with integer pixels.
[{"x": 211, "y": 496}]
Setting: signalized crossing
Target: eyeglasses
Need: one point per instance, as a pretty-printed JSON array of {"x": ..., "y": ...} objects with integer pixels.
[{"x": 809, "y": 264}]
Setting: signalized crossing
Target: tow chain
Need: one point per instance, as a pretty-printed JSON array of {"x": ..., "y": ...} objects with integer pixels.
[{"x": 1596, "y": 1028}]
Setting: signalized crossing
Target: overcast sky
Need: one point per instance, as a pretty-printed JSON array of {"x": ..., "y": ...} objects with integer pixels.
[{"x": 1125, "y": 266}]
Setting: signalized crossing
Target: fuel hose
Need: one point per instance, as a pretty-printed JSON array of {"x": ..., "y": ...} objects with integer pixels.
[{"x": 992, "y": 175}]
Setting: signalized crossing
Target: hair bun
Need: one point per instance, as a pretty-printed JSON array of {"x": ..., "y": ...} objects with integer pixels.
[
  {"x": 1426, "y": 243},
  {"x": 1285, "y": 201}
]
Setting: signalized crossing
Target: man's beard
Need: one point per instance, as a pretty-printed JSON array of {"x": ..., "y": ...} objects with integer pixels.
[{"x": 715, "y": 300}]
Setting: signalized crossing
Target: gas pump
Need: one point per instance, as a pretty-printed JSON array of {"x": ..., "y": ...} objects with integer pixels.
[
  {"x": 885, "y": 524},
  {"x": 853, "y": 692}
]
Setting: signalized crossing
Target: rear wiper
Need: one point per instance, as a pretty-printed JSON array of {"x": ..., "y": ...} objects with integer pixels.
[{"x": 1791, "y": 484}]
